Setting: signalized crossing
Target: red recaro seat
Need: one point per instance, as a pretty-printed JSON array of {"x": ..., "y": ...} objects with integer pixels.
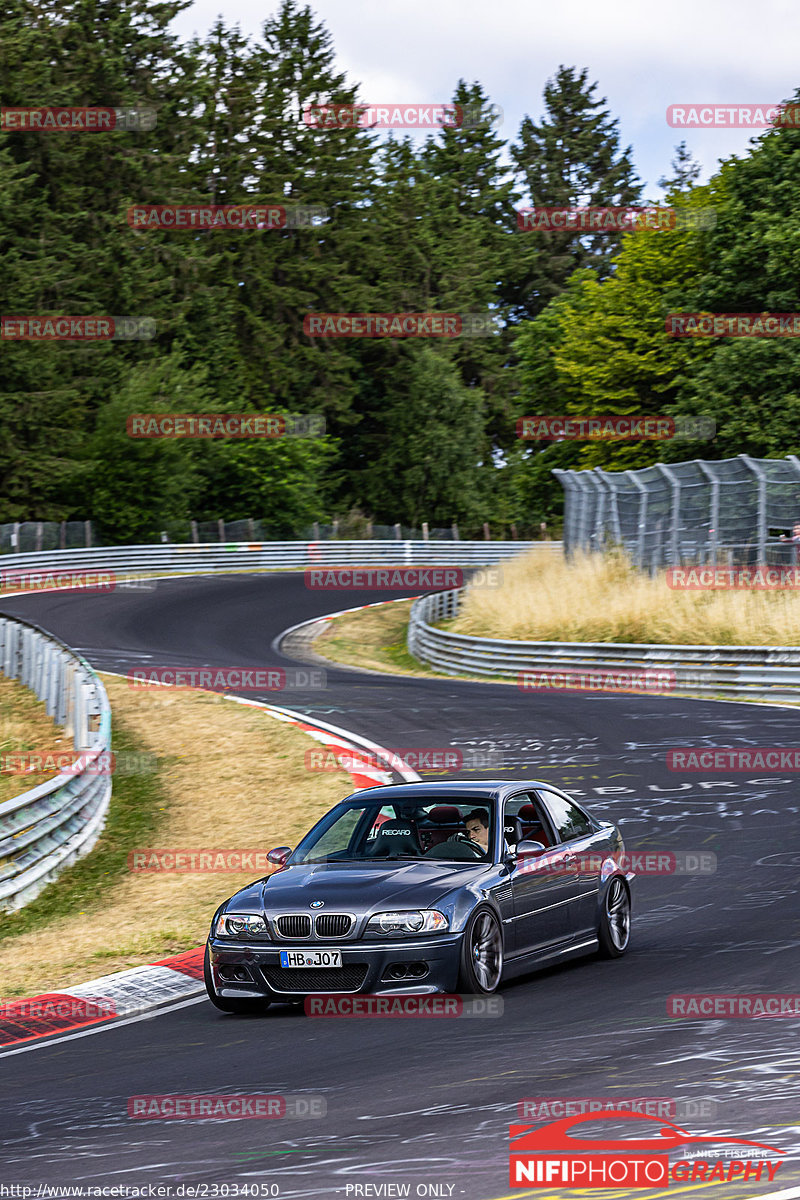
[{"x": 532, "y": 828}]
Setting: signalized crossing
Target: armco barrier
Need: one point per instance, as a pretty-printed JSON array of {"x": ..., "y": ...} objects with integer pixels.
[
  {"x": 747, "y": 672},
  {"x": 245, "y": 556},
  {"x": 47, "y": 828}
]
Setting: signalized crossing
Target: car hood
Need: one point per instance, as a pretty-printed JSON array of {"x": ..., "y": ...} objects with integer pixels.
[{"x": 357, "y": 887}]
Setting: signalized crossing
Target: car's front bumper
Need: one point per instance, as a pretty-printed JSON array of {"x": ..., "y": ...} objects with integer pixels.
[{"x": 375, "y": 967}]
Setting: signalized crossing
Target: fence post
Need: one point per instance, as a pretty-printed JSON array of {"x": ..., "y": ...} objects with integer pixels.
[
  {"x": 713, "y": 527},
  {"x": 397, "y": 533},
  {"x": 612, "y": 496},
  {"x": 221, "y": 529},
  {"x": 424, "y": 531},
  {"x": 675, "y": 484},
  {"x": 487, "y": 536},
  {"x": 761, "y": 478},
  {"x": 641, "y": 529},
  {"x": 454, "y": 531},
  {"x": 62, "y": 536},
  {"x": 195, "y": 535},
  {"x": 87, "y": 534},
  {"x": 15, "y": 537}
]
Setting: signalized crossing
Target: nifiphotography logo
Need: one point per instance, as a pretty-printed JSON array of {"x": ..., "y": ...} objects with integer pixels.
[{"x": 552, "y": 1157}]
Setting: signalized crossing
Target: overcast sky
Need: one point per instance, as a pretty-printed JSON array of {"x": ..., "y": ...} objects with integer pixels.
[{"x": 644, "y": 55}]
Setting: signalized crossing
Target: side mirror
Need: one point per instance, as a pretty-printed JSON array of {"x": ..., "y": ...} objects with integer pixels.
[
  {"x": 279, "y": 856},
  {"x": 526, "y": 847}
]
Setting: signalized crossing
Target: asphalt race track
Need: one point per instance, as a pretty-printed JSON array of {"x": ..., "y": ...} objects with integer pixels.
[{"x": 427, "y": 1103}]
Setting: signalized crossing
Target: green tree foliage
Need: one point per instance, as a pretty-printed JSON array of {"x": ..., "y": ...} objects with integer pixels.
[
  {"x": 416, "y": 430},
  {"x": 572, "y": 157}
]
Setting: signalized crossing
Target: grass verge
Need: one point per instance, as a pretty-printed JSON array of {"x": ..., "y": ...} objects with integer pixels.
[
  {"x": 227, "y": 777},
  {"x": 25, "y": 728},
  {"x": 373, "y": 639}
]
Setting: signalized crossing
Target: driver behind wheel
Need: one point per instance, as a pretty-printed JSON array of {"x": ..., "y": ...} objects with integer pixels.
[{"x": 477, "y": 826}]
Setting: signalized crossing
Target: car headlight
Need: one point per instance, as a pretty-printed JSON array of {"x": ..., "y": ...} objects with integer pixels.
[
  {"x": 236, "y": 925},
  {"x": 425, "y": 920}
]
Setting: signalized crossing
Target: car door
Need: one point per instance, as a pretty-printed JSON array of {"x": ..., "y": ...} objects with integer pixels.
[
  {"x": 580, "y": 842},
  {"x": 541, "y": 888}
]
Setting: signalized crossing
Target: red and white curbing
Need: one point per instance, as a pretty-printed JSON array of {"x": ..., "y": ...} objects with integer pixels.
[{"x": 180, "y": 977}]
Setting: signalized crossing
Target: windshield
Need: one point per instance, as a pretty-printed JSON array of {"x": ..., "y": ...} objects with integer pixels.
[{"x": 458, "y": 831}]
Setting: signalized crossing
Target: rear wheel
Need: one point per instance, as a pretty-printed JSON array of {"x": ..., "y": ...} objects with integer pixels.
[
  {"x": 481, "y": 954},
  {"x": 224, "y": 1003},
  {"x": 615, "y": 921}
]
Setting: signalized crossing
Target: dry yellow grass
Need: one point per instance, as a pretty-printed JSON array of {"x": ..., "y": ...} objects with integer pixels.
[
  {"x": 237, "y": 780},
  {"x": 25, "y": 727},
  {"x": 597, "y": 598}
]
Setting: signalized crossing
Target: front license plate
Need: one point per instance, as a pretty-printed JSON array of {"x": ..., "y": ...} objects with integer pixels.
[{"x": 311, "y": 958}]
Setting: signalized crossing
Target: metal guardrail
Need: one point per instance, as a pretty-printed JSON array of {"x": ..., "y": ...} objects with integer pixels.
[
  {"x": 244, "y": 556},
  {"x": 747, "y": 672},
  {"x": 48, "y": 827}
]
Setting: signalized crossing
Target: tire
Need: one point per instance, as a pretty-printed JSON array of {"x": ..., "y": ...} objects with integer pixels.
[
  {"x": 614, "y": 931},
  {"x": 481, "y": 954},
  {"x": 223, "y": 1003}
]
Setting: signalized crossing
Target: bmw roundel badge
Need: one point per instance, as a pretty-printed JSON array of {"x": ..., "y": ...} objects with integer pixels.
[{"x": 317, "y": 904}]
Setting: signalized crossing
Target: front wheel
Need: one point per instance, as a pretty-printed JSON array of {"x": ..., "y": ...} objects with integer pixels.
[
  {"x": 247, "y": 1004},
  {"x": 615, "y": 920},
  {"x": 481, "y": 954}
]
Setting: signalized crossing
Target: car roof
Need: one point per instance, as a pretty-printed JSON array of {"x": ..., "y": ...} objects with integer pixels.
[{"x": 472, "y": 789}]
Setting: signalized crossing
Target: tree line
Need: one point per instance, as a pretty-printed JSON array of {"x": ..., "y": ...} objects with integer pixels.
[{"x": 416, "y": 429}]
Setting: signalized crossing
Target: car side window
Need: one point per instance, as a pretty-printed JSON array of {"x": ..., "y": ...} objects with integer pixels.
[
  {"x": 526, "y": 809},
  {"x": 567, "y": 818}
]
